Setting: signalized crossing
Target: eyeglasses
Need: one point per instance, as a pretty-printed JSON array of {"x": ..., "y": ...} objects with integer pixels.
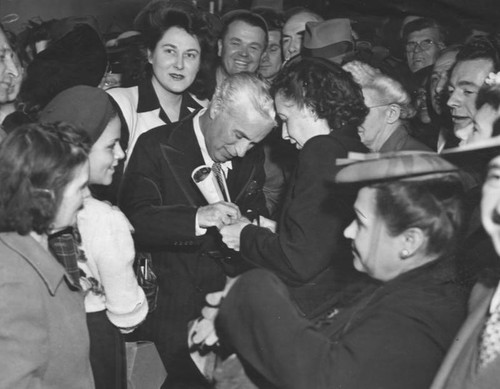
[{"x": 423, "y": 45}]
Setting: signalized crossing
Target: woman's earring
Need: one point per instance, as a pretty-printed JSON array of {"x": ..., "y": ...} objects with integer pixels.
[{"x": 404, "y": 254}]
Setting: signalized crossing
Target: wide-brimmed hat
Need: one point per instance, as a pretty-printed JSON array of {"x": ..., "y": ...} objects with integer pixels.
[
  {"x": 406, "y": 165},
  {"x": 331, "y": 39}
]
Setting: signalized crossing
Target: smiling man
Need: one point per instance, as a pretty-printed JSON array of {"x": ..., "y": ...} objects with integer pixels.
[
  {"x": 242, "y": 43},
  {"x": 173, "y": 221},
  {"x": 474, "y": 62}
]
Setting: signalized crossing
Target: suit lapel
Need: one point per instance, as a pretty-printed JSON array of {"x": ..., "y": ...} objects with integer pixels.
[
  {"x": 182, "y": 154},
  {"x": 239, "y": 177}
]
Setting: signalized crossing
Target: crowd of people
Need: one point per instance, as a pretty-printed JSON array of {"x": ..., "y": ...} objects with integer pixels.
[{"x": 355, "y": 238}]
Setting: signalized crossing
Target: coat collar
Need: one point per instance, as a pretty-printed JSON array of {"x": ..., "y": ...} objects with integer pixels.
[
  {"x": 47, "y": 267},
  {"x": 148, "y": 101}
]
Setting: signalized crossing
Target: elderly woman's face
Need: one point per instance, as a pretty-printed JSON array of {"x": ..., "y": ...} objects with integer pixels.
[
  {"x": 72, "y": 198},
  {"x": 371, "y": 130},
  {"x": 375, "y": 251}
]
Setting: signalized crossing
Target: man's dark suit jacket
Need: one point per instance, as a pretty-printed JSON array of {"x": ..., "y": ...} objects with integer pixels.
[
  {"x": 393, "y": 337},
  {"x": 309, "y": 251},
  {"x": 161, "y": 201}
]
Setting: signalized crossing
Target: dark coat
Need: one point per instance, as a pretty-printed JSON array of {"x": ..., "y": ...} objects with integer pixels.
[
  {"x": 401, "y": 140},
  {"x": 394, "y": 337},
  {"x": 309, "y": 251},
  {"x": 161, "y": 201}
]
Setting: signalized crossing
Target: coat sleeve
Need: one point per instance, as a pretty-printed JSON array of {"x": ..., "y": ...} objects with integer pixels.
[
  {"x": 24, "y": 333},
  {"x": 310, "y": 232},
  {"x": 156, "y": 223},
  {"x": 388, "y": 349}
]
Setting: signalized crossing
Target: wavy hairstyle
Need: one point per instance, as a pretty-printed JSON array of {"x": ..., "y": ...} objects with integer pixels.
[
  {"x": 436, "y": 206},
  {"x": 158, "y": 17},
  {"x": 324, "y": 87},
  {"x": 37, "y": 162}
]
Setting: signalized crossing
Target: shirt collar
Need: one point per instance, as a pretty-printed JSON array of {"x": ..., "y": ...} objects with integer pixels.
[
  {"x": 203, "y": 147},
  {"x": 148, "y": 101}
]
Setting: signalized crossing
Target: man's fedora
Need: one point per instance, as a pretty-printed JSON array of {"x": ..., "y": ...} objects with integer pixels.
[{"x": 331, "y": 39}]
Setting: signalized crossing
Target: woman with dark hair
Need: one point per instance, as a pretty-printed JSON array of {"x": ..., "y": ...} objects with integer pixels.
[
  {"x": 409, "y": 216},
  {"x": 320, "y": 107},
  {"x": 114, "y": 302},
  {"x": 44, "y": 340},
  {"x": 181, "y": 52}
]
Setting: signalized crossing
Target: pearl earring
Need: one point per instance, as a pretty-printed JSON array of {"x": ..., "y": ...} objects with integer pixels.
[{"x": 404, "y": 254}]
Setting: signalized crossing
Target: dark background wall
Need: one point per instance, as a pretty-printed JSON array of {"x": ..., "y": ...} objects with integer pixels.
[{"x": 118, "y": 14}]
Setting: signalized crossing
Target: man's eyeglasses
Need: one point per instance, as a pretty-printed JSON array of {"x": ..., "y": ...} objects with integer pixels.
[{"x": 424, "y": 45}]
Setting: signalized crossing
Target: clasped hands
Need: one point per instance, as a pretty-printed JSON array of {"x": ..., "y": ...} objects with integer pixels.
[{"x": 229, "y": 221}]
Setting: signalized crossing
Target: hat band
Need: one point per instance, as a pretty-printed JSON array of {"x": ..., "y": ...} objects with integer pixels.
[{"x": 329, "y": 51}]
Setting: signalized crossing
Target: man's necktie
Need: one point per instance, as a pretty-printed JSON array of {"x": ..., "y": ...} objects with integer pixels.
[
  {"x": 221, "y": 180},
  {"x": 489, "y": 348}
]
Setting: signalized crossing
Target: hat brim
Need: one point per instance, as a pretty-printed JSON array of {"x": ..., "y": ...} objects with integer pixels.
[
  {"x": 395, "y": 166},
  {"x": 474, "y": 156}
]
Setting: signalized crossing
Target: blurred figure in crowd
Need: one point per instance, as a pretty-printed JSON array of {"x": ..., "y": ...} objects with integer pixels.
[
  {"x": 272, "y": 59},
  {"x": 294, "y": 28}
]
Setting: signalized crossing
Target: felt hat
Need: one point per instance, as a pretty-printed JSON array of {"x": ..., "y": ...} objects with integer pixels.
[
  {"x": 331, "y": 39},
  {"x": 78, "y": 58},
  {"x": 86, "y": 107},
  {"x": 407, "y": 165}
]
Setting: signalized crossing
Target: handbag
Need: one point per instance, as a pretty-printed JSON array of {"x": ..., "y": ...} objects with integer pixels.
[{"x": 146, "y": 278}]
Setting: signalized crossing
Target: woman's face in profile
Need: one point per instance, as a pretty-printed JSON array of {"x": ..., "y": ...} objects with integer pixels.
[
  {"x": 375, "y": 251},
  {"x": 105, "y": 154},
  {"x": 175, "y": 60},
  {"x": 72, "y": 198},
  {"x": 298, "y": 124}
]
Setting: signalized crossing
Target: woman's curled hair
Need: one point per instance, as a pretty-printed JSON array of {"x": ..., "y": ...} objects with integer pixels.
[
  {"x": 37, "y": 162},
  {"x": 436, "y": 206},
  {"x": 324, "y": 87}
]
